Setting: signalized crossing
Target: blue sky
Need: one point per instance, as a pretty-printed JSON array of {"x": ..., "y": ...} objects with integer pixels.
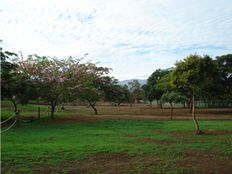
[{"x": 132, "y": 37}]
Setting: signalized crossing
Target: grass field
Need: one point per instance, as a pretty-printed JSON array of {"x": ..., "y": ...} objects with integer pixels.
[{"x": 134, "y": 140}]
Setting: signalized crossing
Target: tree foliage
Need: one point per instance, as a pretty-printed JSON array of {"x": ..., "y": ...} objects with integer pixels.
[
  {"x": 93, "y": 83},
  {"x": 171, "y": 98},
  {"x": 15, "y": 84},
  {"x": 153, "y": 92},
  {"x": 117, "y": 94},
  {"x": 50, "y": 76},
  {"x": 224, "y": 65},
  {"x": 194, "y": 75}
]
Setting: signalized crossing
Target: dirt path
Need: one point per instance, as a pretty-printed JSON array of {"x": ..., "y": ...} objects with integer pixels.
[{"x": 95, "y": 118}]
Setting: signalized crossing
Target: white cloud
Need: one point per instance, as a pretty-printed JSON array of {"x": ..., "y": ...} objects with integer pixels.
[{"x": 132, "y": 37}]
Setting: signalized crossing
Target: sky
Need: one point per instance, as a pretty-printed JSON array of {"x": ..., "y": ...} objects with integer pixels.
[{"x": 133, "y": 37}]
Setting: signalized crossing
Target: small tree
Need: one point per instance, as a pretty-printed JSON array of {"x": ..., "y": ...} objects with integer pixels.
[
  {"x": 135, "y": 90},
  {"x": 193, "y": 76},
  {"x": 116, "y": 94},
  {"x": 171, "y": 98},
  {"x": 148, "y": 93},
  {"x": 93, "y": 82},
  {"x": 154, "y": 92}
]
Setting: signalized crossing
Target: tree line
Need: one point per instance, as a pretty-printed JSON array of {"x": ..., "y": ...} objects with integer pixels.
[
  {"x": 195, "y": 77},
  {"x": 59, "y": 81}
]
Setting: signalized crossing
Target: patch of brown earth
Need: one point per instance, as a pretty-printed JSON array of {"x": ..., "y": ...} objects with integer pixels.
[
  {"x": 118, "y": 163},
  {"x": 218, "y": 132},
  {"x": 147, "y": 139},
  {"x": 79, "y": 119},
  {"x": 205, "y": 162},
  {"x": 130, "y": 135},
  {"x": 182, "y": 134},
  {"x": 152, "y": 140}
]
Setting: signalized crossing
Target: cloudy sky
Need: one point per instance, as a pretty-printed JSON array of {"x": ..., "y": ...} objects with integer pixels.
[{"x": 133, "y": 37}]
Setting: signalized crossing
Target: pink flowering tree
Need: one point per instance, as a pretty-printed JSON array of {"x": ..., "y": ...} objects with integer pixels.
[
  {"x": 51, "y": 76},
  {"x": 93, "y": 81}
]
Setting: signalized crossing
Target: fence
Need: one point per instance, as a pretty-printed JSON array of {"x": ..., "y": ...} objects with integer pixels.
[{"x": 214, "y": 104}]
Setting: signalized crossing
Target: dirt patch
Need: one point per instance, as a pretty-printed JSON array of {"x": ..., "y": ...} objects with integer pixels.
[
  {"x": 182, "y": 134},
  {"x": 107, "y": 163},
  {"x": 205, "y": 162},
  {"x": 130, "y": 135},
  {"x": 218, "y": 132},
  {"x": 146, "y": 139},
  {"x": 194, "y": 162},
  {"x": 79, "y": 119},
  {"x": 216, "y": 111},
  {"x": 152, "y": 140}
]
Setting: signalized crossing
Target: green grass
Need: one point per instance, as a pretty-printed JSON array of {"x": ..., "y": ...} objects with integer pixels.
[
  {"x": 44, "y": 142},
  {"x": 39, "y": 145}
]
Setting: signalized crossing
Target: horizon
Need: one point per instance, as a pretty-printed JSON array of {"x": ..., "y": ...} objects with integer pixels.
[{"x": 132, "y": 38}]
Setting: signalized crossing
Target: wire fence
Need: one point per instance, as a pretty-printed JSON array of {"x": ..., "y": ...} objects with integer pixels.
[
  {"x": 214, "y": 104},
  {"x": 198, "y": 104}
]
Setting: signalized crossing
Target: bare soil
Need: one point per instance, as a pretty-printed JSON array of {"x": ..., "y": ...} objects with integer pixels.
[
  {"x": 107, "y": 163},
  {"x": 78, "y": 119},
  {"x": 183, "y": 134},
  {"x": 194, "y": 162},
  {"x": 205, "y": 162},
  {"x": 90, "y": 119},
  {"x": 152, "y": 140}
]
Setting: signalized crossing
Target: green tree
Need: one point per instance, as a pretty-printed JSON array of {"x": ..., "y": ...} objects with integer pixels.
[
  {"x": 193, "y": 75},
  {"x": 224, "y": 65},
  {"x": 170, "y": 94},
  {"x": 155, "y": 93},
  {"x": 15, "y": 84},
  {"x": 148, "y": 93},
  {"x": 135, "y": 90},
  {"x": 93, "y": 83},
  {"x": 211, "y": 87},
  {"x": 115, "y": 93},
  {"x": 171, "y": 98},
  {"x": 165, "y": 83}
]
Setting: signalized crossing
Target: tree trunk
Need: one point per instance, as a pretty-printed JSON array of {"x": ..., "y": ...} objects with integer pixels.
[
  {"x": 53, "y": 107},
  {"x": 198, "y": 131},
  {"x": 15, "y": 108},
  {"x": 52, "y": 112},
  {"x": 189, "y": 104},
  {"x": 15, "y": 105},
  {"x": 93, "y": 107},
  {"x": 38, "y": 113},
  {"x": 150, "y": 104},
  {"x": 160, "y": 103},
  {"x": 95, "y": 110},
  {"x": 171, "y": 111}
]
